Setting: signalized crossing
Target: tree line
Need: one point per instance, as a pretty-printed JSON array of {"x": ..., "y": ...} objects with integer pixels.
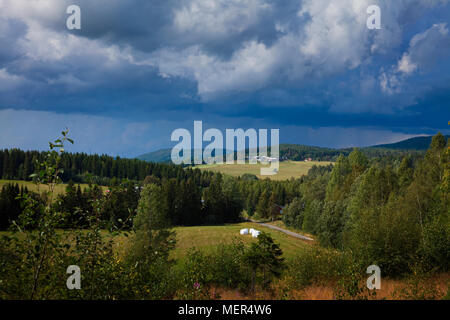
[
  {"x": 295, "y": 152},
  {"x": 16, "y": 164},
  {"x": 189, "y": 196},
  {"x": 194, "y": 198},
  {"x": 393, "y": 214}
]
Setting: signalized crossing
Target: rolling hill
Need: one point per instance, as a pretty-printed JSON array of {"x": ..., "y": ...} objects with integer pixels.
[
  {"x": 296, "y": 152},
  {"x": 416, "y": 143},
  {"x": 162, "y": 155},
  {"x": 287, "y": 169}
]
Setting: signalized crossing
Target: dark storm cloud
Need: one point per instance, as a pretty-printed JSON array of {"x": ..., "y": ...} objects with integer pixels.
[
  {"x": 150, "y": 25},
  {"x": 290, "y": 64}
]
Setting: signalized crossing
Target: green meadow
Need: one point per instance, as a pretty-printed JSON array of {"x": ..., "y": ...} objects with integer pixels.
[
  {"x": 287, "y": 170},
  {"x": 206, "y": 238}
]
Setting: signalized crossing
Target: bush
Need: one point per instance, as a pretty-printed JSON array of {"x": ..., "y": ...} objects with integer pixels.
[
  {"x": 196, "y": 276},
  {"x": 224, "y": 267},
  {"x": 232, "y": 266},
  {"x": 316, "y": 265},
  {"x": 420, "y": 286},
  {"x": 228, "y": 267}
]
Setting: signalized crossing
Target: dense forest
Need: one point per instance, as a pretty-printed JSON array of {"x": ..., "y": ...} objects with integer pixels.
[
  {"x": 299, "y": 153},
  {"x": 395, "y": 214},
  {"x": 194, "y": 197},
  {"x": 83, "y": 168}
]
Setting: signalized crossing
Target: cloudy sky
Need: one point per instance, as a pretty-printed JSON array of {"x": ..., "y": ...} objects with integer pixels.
[{"x": 139, "y": 69}]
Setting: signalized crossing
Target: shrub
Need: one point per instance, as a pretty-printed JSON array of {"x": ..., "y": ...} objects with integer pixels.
[
  {"x": 228, "y": 267},
  {"x": 316, "y": 265},
  {"x": 196, "y": 276}
]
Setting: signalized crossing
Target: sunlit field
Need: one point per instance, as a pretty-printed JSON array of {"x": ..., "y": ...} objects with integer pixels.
[
  {"x": 287, "y": 170},
  {"x": 206, "y": 238}
]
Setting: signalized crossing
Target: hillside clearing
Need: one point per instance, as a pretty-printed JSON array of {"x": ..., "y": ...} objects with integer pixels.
[
  {"x": 287, "y": 170},
  {"x": 206, "y": 238}
]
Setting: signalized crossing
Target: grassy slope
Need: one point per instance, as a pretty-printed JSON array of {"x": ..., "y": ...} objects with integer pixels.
[
  {"x": 288, "y": 169},
  {"x": 206, "y": 238}
]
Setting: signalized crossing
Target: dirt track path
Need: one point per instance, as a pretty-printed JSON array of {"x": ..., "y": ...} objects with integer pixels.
[{"x": 293, "y": 234}]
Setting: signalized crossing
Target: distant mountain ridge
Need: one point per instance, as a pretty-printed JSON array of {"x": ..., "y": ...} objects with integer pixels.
[
  {"x": 161, "y": 155},
  {"x": 300, "y": 152},
  {"x": 416, "y": 143}
]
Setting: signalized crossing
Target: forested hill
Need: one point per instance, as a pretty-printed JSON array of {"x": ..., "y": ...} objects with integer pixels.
[
  {"x": 416, "y": 143},
  {"x": 299, "y": 153},
  {"x": 161, "y": 155},
  {"x": 287, "y": 152},
  {"x": 164, "y": 155}
]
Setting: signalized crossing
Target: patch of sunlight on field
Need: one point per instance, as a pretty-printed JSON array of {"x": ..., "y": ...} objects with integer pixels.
[
  {"x": 288, "y": 169},
  {"x": 206, "y": 238},
  {"x": 59, "y": 188}
]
